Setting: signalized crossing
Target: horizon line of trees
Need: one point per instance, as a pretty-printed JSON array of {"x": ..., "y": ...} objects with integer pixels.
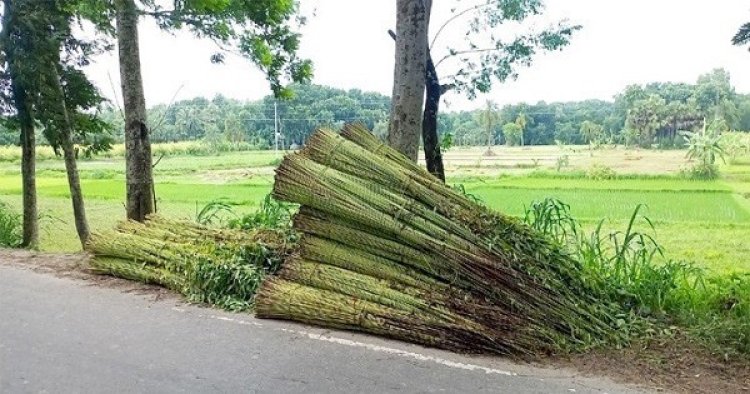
[{"x": 643, "y": 115}]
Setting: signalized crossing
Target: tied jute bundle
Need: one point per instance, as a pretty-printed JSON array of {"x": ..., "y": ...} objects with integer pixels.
[
  {"x": 222, "y": 267},
  {"x": 389, "y": 249}
]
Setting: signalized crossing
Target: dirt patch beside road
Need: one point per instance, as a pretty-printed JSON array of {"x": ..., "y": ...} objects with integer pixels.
[
  {"x": 676, "y": 364},
  {"x": 74, "y": 265}
]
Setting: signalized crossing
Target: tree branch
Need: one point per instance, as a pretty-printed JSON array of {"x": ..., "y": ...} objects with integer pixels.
[
  {"x": 464, "y": 52},
  {"x": 454, "y": 17},
  {"x": 392, "y": 34}
]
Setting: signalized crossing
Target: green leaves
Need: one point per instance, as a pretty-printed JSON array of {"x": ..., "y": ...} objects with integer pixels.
[
  {"x": 513, "y": 134},
  {"x": 490, "y": 54},
  {"x": 263, "y": 31},
  {"x": 45, "y": 56},
  {"x": 705, "y": 146}
]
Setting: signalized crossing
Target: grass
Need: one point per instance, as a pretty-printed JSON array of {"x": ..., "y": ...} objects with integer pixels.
[
  {"x": 184, "y": 148},
  {"x": 629, "y": 267},
  {"x": 10, "y": 227},
  {"x": 114, "y": 189},
  {"x": 549, "y": 181},
  {"x": 702, "y": 221},
  {"x": 169, "y": 165},
  {"x": 592, "y": 204}
]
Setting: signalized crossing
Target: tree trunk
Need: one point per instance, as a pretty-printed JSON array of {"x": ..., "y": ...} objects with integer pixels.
[
  {"x": 71, "y": 167},
  {"x": 432, "y": 153},
  {"x": 28, "y": 175},
  {"x": 76, "y": 195},
  {"x": 138, "y": 167},
  {"x": 28, "y": 140},
  {"x": 408, "y": 77}
]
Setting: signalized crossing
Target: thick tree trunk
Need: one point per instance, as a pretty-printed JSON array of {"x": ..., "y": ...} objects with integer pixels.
[
  {"x": 408, "y": 77},
  {"x": 28, "y": 180},
  {"x": 138, "y": 167},
  {"x": 432, "y": 153},
  {"x": 28, "y": 140}
]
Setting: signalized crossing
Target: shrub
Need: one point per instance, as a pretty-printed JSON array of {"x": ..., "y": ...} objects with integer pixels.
[
  {"x": 10, "y": 227},
  {"x": 562, "y": 162},
  {"x": 701, "y": 171},
  {"x": 600, "y": 172},
  {"x": 271, "y": 214}
]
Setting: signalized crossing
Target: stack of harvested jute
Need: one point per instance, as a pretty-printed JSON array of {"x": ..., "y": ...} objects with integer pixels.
[
  {"x": 389, "y": 249},
  {"x": 223, "y": 267}
]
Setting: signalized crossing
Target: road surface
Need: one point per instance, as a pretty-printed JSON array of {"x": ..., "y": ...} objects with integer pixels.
[{"x": 61, "y": 335}]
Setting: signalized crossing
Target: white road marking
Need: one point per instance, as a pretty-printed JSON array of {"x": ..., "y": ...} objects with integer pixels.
[
  {"x": 399, "y": 352},
  {"x": 229, "y": 319},
  {"x": 368, "y": 346}
]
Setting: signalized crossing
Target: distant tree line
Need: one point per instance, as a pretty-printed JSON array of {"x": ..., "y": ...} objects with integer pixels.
[
  {"x": 222, "y": 120},
  {"x": 643, "y": 115}
]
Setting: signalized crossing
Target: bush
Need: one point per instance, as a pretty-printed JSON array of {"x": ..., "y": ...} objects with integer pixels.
[
  {"x": 271, "y": 214},
  {"x": 599, "y": 172},
  {"x": 701, "y": 171},
  {"x": 10, "y": 227}
]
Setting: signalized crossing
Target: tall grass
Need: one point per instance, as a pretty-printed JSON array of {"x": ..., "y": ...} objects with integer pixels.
[
  {"x": 10, "y": 227},
  {"x": 272, "y": 214},
  {"x": 630, "y": 268}
]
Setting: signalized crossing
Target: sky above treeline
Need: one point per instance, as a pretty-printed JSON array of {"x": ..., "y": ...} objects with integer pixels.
[{"x": 622, "y": 42}]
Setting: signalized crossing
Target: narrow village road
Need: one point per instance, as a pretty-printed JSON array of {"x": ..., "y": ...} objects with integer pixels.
[{"x": 64, "y": 335}]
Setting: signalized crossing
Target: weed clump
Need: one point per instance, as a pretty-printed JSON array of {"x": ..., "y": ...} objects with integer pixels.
[
  {"x": 701, "y": 171},
  {"x": 630, "y": 269},
  {"x": 10, "y": 227},
  {"x": 600, "y": 172}
]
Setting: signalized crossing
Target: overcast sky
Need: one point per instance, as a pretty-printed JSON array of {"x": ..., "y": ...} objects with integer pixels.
[{"x": 622, "y": 42}]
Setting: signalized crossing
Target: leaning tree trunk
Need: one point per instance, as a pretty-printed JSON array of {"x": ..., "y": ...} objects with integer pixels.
[
  {"x": 408, "y": 77},
  {"x": 432, "y": 153},
  {"x": 28, "y": 140},
  {"x": 71, "y": 167},
  {"x": 138, "y": 167},
  {"x": 76, "y": 196}
]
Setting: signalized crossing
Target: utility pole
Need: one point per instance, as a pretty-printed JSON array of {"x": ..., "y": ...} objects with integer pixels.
[
  {"x": 276, "y": 126},
  {"x": 489, "y": 115}
]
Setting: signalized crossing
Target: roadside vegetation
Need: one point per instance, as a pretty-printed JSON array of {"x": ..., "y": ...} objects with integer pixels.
[
  {"x": 681, "y": 268},
  {"x": 662, "y": 295},
  {"x": 10, "y": 227}
]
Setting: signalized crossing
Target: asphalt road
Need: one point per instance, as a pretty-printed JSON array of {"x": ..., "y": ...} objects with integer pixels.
[{"x": 68, "y": 336}]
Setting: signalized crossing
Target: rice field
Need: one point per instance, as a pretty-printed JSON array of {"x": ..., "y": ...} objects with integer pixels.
[{"x": 703, "y": 221}]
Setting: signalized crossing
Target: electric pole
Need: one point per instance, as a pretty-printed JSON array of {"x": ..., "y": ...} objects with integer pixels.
[{"x": 275, "y": 126}]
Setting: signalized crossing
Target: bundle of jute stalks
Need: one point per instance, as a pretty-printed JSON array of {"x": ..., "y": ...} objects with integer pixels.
[
  {"x": 389, "y": 249},
  {"x": 222, "y": 267}
]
